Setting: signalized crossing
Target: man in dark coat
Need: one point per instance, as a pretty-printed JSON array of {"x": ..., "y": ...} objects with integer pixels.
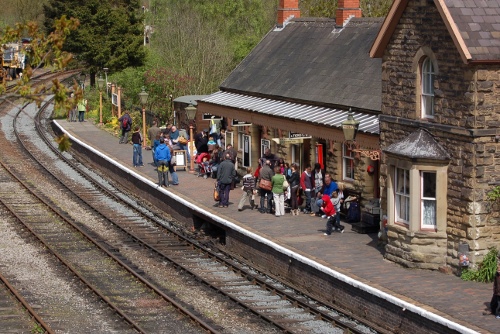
[
  {"x": 201, "y": 141},
  {"x": 225, "y": 176}
]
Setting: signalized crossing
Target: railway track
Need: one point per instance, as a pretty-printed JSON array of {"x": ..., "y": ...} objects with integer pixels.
[
  {"x": 16, "y": 313},
  {"x": 150, "y": 232}
]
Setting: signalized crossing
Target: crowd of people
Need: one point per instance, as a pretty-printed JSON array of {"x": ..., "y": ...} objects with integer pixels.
[{"x": 280, "y": 185}]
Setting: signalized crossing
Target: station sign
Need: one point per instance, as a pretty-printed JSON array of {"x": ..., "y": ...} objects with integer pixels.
[
  {"x": 284, "y": 141},
  {"x": 235, "y": 122},
  {"x": 208, "y": 117},
  {"x": 295, "y": 135}
]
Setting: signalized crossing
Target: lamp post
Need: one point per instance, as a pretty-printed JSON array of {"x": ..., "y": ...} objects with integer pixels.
[
  {"x": 100, "y": 86},
  {"x": 106, "y": 75},
  {"x": 143, "y": 97},
  {"x": 191, "y": 114}
]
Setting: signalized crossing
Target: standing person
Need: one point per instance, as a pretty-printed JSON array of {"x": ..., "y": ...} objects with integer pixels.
[
  {"x": 329, "y": 210},
  {"x": 137, "y": 141},
  {"x": 162, "y": 157},
  {"x": 73, "y": 112},
  {"x": 82, "y": 107},
  {"x": 294, "y": 181},
  {"x": 200, "y": 141},
  {"x": 268, "y": 156},
  {"x": 174, "y": 137},
  {"x": 307, "y": 185},
  {"x": 183, "y": 143},
  {"x": 319, "y": 181},
  {"x": 222, "y": 139},
  {"x": 225, "y": 176},
  {"x": 156, "y": 143},
  {"x": 278, "y": 192},
  {"x": 265, "y": 173},
  {"x": 232, "y": 152},
  {"x": 337, "y": 200},
  {"x": 125, "y": 125},
  {"x": 153, "y": 132},
  {"x": 171, "y": 168},
  {"x": 287, "y": 171},
  {"x": 248, "y": 189}
]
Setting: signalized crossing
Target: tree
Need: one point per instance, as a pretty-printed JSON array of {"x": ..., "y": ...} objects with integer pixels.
[{"x": 110, "y": 34}]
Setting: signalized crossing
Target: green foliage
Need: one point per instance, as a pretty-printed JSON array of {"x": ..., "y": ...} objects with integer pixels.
[
  {"x": 494, "y": 194},
  {"x": 486, "y": 269},
  {"x": 110, "y": 34}
]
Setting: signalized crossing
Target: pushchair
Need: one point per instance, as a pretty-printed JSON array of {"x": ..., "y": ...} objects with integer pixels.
[{"x": 204, "y": 165}]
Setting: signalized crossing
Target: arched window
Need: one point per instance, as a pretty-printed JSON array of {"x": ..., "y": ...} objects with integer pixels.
[{"x": 427, "y": 76}]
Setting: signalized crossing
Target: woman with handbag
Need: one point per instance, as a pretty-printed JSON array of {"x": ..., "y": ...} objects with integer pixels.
[
  {"x": 265, "y": 187},
  {"x": 278, "y": 182}
]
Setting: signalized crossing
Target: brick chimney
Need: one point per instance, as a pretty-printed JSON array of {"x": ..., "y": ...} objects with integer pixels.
[
  {"x": 287, "y": 9},
  {"x": 346, "y": 8}
]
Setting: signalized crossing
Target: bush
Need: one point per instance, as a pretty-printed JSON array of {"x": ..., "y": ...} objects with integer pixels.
[{"x": 486, "y": 269}]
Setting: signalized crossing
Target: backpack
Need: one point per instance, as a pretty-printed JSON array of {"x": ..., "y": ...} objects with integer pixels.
[{"x": 125, "y": 122}]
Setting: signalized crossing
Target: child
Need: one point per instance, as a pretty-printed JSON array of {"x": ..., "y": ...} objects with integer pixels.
[
  {"x": 329, "y": 210},
  {"x": 337, "y": 200},
  {"x": 211, "y": 144},
  {"x": 248, "y": 190}
]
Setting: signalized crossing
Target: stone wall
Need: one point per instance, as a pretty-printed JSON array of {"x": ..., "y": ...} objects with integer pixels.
[{"x": 467, "y": 104}]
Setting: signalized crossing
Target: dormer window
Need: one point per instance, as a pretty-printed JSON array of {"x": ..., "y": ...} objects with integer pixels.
[{"x": 427, "y": 76}]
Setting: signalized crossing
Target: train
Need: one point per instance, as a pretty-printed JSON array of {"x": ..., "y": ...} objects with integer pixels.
[{"x": 14, "y": 59}]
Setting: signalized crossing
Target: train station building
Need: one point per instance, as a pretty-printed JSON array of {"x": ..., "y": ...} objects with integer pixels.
[{"x": 421, "y": 84}]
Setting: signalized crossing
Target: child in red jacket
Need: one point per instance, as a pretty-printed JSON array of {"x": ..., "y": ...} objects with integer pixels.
[{"x": 329, "y": 210}]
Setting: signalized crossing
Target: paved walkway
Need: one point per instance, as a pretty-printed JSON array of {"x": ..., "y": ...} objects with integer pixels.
[{"x": 355, "y": 255}]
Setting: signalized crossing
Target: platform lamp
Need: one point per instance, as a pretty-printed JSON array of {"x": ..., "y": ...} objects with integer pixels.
[
  {"x": 143, "y": 98},
  {"x": 191, "y": 114},
  {"x": 350, "y": 127},
  {"x": 100, "y": 86}
]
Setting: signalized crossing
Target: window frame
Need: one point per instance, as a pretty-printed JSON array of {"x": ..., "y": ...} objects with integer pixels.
[
  {"x": 347, "y": 159},
  {"x": 427, "y": 79},
  {"x": 398, "y": 195},
  {"x": 423, "y": 198}
]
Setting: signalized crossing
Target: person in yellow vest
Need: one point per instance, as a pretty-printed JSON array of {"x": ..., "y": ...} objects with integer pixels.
[{"x": 82, "y": 107}]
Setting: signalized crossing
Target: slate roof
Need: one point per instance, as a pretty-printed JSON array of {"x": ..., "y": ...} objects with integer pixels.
[
  {"x": 311, "y": 61},
  {"x": 419, "y": 145},
  {"x": 479, "y": 24}
]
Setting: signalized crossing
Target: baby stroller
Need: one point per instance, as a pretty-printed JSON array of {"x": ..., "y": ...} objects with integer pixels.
[{"x": 204, "y": 165}]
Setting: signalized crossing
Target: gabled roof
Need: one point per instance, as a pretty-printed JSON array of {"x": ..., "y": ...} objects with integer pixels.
[
  {"x": 474, "y": 26},
  {"x": 419, "y": 145},
  {"x": 311, "y": 61}
]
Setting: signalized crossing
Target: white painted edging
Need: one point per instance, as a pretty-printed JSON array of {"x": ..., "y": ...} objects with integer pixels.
[{"x": 346, "y": 279}]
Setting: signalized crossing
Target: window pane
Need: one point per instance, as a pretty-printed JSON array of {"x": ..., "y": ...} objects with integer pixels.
[
  {"x": 429, "y": 185},
  {"x": 402, "y": 196},
  {"x": 348, "y": 162},
  {"x": 428, "y": 199},
  {"x": 429, "y": 213}
]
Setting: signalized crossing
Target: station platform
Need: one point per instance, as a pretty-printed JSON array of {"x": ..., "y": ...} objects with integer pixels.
[{"x": 459, "y": 304}]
